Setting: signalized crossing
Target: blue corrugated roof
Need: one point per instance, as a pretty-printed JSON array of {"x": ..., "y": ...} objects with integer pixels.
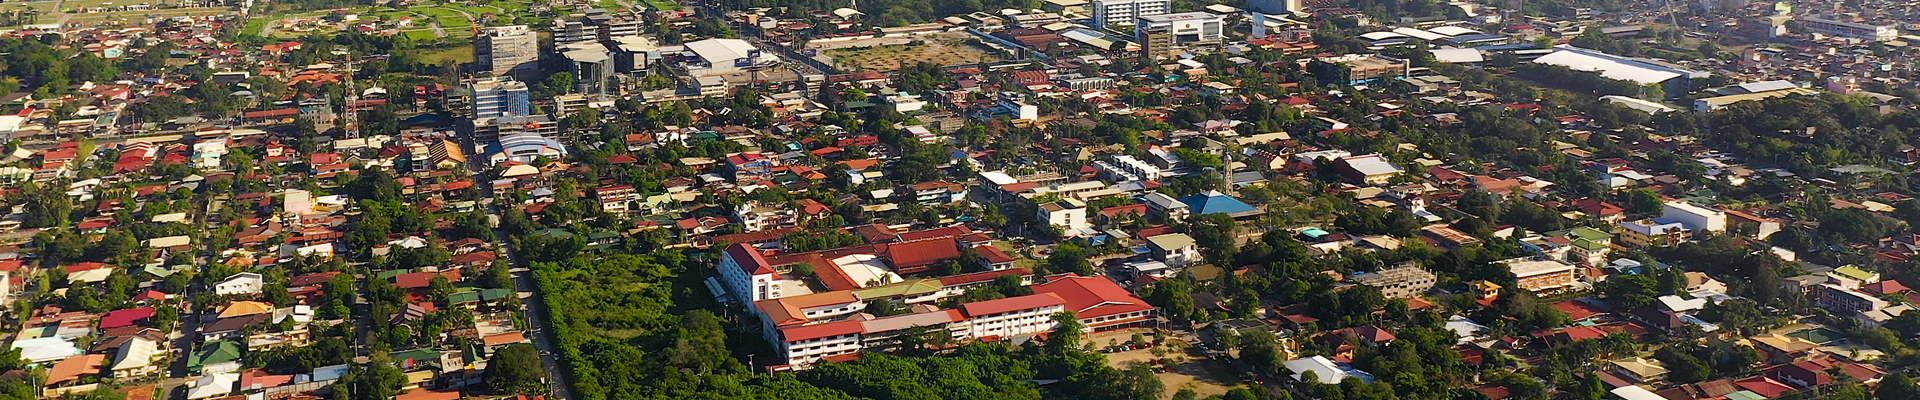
[{"x": 1214, "y": 202}]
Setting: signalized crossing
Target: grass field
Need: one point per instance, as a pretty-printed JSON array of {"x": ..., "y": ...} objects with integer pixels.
[
  {"x": 254, "y": 26},
  {"x": 446, "y": 17},
  {"x": 456, "y": 54},
  {"x": 663, "y": 4},
  {"x": 892, "y": 54}
]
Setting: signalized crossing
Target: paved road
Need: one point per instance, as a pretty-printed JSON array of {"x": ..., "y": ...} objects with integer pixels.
[
  {"x": 529, "y": 296},
  {"x": 536, "y": 312}
]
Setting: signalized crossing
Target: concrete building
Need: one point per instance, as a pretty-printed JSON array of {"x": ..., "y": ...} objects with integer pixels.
[
  {"x": 594, "y": 25},
  {"x": 508, "y": 51},
  {"x": 1160, "y": 33},
  {"x": 593, "y": 67},
  {"x": 1399, "y": 282},
  {"x": 1844, "y": 301},
  {"x": 634, "y": 54},
  {"x": 1849, "y": 30},
  {"x": 1357, "y": 69},
  {"x": 1371, "y": 169},
  {"x": 1107, "y": 13},
  {"x": 747, "y": 276},
  {"x": 1541, "y": 275},
  {"x": 1645, "y": 233},
  {"x": 1068, "y": 214},
  {"x": 1175, "y": 249}
]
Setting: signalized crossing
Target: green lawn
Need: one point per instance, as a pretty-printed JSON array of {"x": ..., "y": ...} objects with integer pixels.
[
  {"x": 455, "y": 54},
  {"x": 446, "y": 17},
  {"x": 254, "y": 27}
]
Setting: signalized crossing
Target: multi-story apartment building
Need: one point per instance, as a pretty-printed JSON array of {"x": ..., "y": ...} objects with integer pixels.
[{"x": 1844, "y": 301}]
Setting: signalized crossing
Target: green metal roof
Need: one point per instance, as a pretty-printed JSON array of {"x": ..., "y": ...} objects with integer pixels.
[
  {"x": 463, "y": 298},
  {"x": 214, "y": 353},
  {"x": 417, "y": 355},
  {"x": 1854, "y": 273},
  {"x": 909, "y": 288},
  {"x": 1589, "y": 233},
  {"x": 1589, "y": 245},
  {"x": 389, "y": 274},
  {"x": 495, "y": 294}
]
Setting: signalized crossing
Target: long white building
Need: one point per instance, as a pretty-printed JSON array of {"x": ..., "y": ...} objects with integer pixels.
[{"x": 1851, "y": 30}]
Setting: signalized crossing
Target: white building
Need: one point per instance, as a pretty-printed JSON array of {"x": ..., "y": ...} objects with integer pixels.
[
  {"x": 1189, "y": 27},
  {"x": 1123, "y": 12},
  {"x": 723, "y": 56},
  {"x": 1850, "y": 30},
  {"x": 1175, "y": 249},
  {"x": 747, "y": 276},
  {"x": 1024, "y": 315},
  {"x": 1068, "y": 214},
  {"x": 1695, "y": 218},
  {"x": 244, "y": 283}
]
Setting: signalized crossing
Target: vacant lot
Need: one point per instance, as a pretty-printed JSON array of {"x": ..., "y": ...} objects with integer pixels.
[
  {"x": 888, "y": 54},
  {"x": 1203, "y": 376}
]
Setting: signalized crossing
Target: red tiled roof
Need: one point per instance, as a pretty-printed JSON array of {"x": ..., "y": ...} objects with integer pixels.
[
  {"x": 750, "y": 260},
  {"x": 413, "y": 280},
  {"x": 907, "y": 255},
  {"x": 1577, "y": 310},
  {"x": 1093, "y": 296},
  {"x": 127, "y": 317},
  {"x": 830, "y": 329},
  {"x": 1010, "y": 304},
  {"x": 73, "y": 367},
  {"x": 283, "y": 112}
]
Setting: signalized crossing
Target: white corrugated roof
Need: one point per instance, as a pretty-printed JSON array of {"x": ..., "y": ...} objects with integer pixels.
[
  {"x": 1767, "y": 86},
  {"x": 1458, "y": 56},
  {"x": 720, "y": 50},
  {"x": 1607, "y": 67},
  {"x": 1419, "y": 34},
  {"x": 1452, "y": 30},
  {"x": 1378, "y": 36}
]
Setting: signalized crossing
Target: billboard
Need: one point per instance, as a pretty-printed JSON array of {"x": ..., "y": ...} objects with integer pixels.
[{"x": 743, "y": 62}]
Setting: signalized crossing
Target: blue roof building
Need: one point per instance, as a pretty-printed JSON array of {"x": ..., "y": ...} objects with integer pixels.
[{"x": 1214, "y": 202}]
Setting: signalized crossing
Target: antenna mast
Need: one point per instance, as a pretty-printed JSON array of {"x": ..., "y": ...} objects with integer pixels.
[{"x": 353, "y": 96}]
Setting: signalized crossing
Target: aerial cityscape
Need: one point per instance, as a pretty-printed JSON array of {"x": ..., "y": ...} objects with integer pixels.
[{"x": 960, "y": 199}]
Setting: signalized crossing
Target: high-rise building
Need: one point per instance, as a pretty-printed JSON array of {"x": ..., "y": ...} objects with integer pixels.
[
  {"x": 1108, "y": 13},
  {"x": 508, "y": 51},
  {"x": 497, "y": 97}
]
